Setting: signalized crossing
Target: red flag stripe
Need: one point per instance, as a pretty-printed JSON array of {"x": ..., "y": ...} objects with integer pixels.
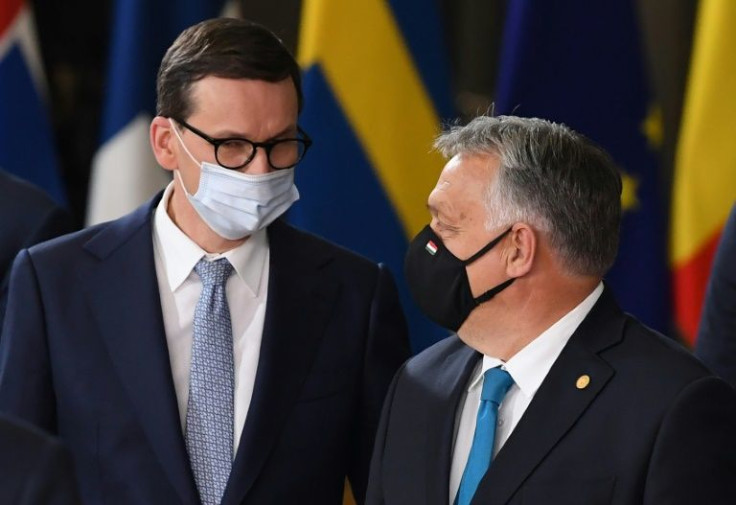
[
  {"x": 689, "y": 282},
  {"x": 9, "y": 10}
]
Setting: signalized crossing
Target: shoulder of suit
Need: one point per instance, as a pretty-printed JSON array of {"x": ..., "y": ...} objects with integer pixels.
[
  {"x": 650, "y": 359},
  {"x": 441, "y": 353},
  {"x": 23, "y": 200},
  {"x": 306, "y": 242},
  {"x": 100, "y": 239}
]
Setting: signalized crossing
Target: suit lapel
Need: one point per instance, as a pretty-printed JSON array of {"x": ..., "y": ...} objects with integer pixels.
[
  {"x": 447, "y": 391},
  {"x": 123, "y": 291},
  {"x": 300, "y": 301},
  {"x": 558, "y": 403}
]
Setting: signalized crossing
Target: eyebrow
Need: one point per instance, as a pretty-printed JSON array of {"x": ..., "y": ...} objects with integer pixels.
[
  {"x": 229, "y": 134},
  {"x": 291, "y": 129}
]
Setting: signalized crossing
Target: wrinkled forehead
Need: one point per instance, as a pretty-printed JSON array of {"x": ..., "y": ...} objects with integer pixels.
[
  {"x": 464, "y": 182},
  {"x": 468, "y": 174}
]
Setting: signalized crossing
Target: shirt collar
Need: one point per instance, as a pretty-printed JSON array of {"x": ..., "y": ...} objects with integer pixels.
[
  {"x": 530, "y": 366},
  {"x": 180, "y": 253}
]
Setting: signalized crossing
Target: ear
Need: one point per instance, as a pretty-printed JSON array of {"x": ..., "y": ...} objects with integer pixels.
[
  {"x": 162, "y": 143},
  {"x": 521, "y": 250}
]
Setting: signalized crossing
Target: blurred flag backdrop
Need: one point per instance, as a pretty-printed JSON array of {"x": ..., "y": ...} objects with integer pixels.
[
  {"x": 376, "y": 86},
  {"x": 124, "y": 172},
  {"x": 26, "y": 140},
  {"x": 705, "y": 168},
  {"x": 581, "y": 63}
]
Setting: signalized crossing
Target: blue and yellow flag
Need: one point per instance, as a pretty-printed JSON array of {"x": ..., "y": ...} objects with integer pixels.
[
  {"x": 580, "y": 63},
  {"x": 376, "y": 85}
]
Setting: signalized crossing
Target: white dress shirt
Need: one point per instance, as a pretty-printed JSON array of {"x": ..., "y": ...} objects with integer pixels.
[
  {"x": 179, "y": 286},
  {"x": 528, "y": 368}
]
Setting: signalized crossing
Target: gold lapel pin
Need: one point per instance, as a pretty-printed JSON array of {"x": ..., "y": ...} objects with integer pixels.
[{"x": 583, "y": 381}]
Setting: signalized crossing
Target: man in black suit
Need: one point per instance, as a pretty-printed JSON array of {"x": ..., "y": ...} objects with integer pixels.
[
  {"x": 716, "y": 342},
  {"x": 35, "y": 469},
  {"x": 200, "y": 349},
  {"x": 30, "y": 216},
  {"x": 548, "y": 393}
]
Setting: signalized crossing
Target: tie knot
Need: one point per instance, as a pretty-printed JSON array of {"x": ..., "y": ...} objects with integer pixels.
[
  {"x": 213, "y": 273},
  {"x": 496, "y": 383}
]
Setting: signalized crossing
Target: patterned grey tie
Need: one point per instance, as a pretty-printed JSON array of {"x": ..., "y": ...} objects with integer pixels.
[{"x": 209, "y": 426}]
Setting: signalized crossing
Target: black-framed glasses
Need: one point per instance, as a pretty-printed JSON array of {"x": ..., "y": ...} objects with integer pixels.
[{"x": 236, "y": 152}]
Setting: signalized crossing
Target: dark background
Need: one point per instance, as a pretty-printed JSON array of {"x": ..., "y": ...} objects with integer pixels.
[{"x": 73, "y": 36}]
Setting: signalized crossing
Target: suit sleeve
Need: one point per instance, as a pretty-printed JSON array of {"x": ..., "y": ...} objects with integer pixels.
[
  {"x": 25, "y": 376},
  {"x": 52, "y": 481},
  {"x": 716, "y": 343},
  {"x": 387, "y": 348},
  {"x": 374, "y": 493},
  {"x": 694, "y": 454}
]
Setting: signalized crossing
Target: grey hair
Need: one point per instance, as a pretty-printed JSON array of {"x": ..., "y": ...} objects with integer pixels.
[{"x": 551, "y": 178}]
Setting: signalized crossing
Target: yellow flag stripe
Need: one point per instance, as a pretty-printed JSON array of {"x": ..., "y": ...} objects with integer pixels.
[
  {"x": 359, "y": 47},
  {"x": 705, "y": 165}
]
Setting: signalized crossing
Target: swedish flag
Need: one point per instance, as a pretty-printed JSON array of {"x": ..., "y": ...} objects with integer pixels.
[{"x": 376, "y": 86}]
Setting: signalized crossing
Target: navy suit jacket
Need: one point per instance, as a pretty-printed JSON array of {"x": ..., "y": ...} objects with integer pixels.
[
  {"x": 27, "y": 216},
  {"x": 35, "y": 468},
  {"x": 716, "y": 342},
  {"x": 84, "y": 355},
  {"x": 652, "y": 427}
]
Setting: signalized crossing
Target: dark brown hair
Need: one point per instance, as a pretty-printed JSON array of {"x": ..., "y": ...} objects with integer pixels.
[{"x": 221, "y": 47}]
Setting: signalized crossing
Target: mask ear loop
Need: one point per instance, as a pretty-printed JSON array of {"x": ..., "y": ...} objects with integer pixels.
[
  {"x": 487, "y": 248},
  {"x": 176, "y": 172},
  {"x": 495, "y": 290}
]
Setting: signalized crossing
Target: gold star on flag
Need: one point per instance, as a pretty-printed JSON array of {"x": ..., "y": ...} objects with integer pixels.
[
  {"x": 630, "y": 185},
  {"x": 653, "y": 128}
]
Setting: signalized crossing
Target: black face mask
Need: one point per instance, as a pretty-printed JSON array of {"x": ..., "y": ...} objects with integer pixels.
[{"x": 439, "y": 282}]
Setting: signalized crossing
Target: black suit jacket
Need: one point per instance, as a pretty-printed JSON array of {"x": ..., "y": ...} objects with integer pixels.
[
  {"x": 27, "y": 216},
  {"x": 716, "y": 343},
  {"x": 653, "y": 426},
  {"x": 35, "y": 469},
  {"x": 84, "y": 355}
]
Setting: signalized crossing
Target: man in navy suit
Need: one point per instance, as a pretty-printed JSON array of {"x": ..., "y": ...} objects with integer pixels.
[
  {"x": 200, "y": 349},
  {"x": 30, "y": 216},
  {"x": 716, "y": 342},
  {"x": 35, "y": 468},
  {"x": 549, "y": 393}
]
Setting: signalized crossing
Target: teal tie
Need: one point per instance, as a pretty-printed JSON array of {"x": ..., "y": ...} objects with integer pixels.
[{"x": 496, "y": 383}]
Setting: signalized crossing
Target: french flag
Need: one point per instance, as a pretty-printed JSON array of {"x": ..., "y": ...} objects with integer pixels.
[
  {"x": 124, "y": 171},
  {"x": 26, "y": 141}
]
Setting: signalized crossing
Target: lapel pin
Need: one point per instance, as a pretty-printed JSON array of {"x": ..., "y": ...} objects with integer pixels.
[{"x": 583, "y": 381}]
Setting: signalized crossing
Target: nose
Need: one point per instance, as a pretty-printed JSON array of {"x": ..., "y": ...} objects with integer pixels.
[{"x": 259, "y": 164}]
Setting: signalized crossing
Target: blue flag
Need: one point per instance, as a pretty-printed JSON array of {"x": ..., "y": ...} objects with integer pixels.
[
  {"x": 26, "y": 140},
  {"x": 125, "y": 173},
  {"x": 580, "y": 63},
  {"x": 376, "y": 87}
]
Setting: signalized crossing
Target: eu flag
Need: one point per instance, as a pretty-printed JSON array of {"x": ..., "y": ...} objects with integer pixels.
[{"x": 580, "y": 63}]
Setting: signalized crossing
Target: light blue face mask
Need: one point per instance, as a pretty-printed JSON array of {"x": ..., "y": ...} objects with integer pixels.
[{"x": 235, "y": 205}]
